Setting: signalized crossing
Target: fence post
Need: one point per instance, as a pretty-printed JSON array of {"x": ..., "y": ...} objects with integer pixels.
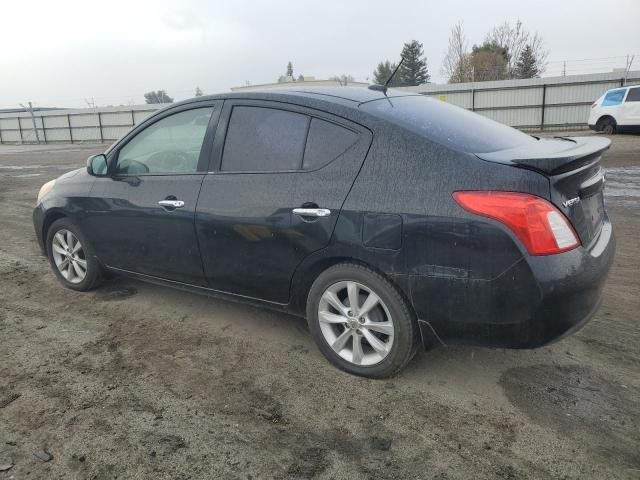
[
  {"x": 70, "y": 130},
  {"x": 544, "y": 101},
  {"x": 473, "y": 99},
  {"x": 0, "y": 136},
  {"x": 20, "y": 130},
  {"x": 100, "y": 127},
  {"x": 44, "y": 129},
  {"x": 133, "y": 119}
]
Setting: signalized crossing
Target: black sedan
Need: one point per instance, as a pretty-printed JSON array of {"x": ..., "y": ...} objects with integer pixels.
[{"x": 387, "y": 219}]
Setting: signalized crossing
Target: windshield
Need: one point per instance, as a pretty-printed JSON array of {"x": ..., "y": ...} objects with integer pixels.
[{"x": 443, "y": 123}]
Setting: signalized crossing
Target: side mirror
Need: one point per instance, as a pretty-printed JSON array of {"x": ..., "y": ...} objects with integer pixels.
[{"x": 97, "y": 165}]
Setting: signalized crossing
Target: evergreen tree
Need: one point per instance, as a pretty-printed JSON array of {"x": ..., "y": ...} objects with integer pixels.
[
  {"x": 289, "y": 70},
  {"x": 383, "y": 71},
  {"x": 413, "y": 71},
  {"x": 198, "y": 92},
  {"x": 527, "y": 65}
]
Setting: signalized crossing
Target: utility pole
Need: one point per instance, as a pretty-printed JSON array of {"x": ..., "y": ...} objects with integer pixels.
[
  {"x": 92, "y": 104},
  {"x": 33, "y": 120},
  {"x": 564, "y": 68},
  {"x": 627, "y": 69}
]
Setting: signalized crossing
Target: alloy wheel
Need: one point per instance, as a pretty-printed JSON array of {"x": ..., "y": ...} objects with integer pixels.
[
  {"x": 356, "y": 323},
  {"x": 69, "y": 256}
]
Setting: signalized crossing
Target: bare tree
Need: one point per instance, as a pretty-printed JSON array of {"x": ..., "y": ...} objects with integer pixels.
[
  {"x": 457, "y": 61},
  {"x": 344, "y": 79},
  {"x": 515, "y": 39}
]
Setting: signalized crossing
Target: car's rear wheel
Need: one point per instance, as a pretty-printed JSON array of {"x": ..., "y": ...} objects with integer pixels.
[
  {"x": 607, "y": 125},
  {"x": 71, "y": 257},
  {"x": 361, "y": 322}
]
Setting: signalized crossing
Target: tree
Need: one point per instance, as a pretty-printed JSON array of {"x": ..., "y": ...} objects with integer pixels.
[
  {"x": 343, "y": 79},
  {"x": 300, "y": 78},
  {"x": 198, "y": 92},
  {"x": 159, "y": 96},
  {"x": 289, "y": 70},
  {"x": 489, "y": 62},
  {"x": 413, "y": 70},
  {"x": 514, "y": 39},
  {"x": 382, "y": 73},
  {"x": 457, "y": 64},
  {"x": 527, "y": 66}
]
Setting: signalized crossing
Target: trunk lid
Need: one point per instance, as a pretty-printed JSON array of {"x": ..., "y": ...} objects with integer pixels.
[{"x": 576, "y": 178}]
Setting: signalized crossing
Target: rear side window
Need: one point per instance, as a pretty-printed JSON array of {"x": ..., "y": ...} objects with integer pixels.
[
  {"x": 448, "y": 125},
  {"x": 264, "y": 139},
  {"x": 634, "y": 95},
  {"x": 326, "y": 142},
  {"x": 614, "y": 97}
]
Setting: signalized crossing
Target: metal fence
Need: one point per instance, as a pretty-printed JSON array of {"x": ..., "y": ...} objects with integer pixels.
[
  {"x": 104, "y": 124},
  {"x": 532, "y": 104},
  {"x": 550, "y": 103}
]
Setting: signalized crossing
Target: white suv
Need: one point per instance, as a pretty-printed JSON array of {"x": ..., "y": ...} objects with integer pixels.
[{"x": 616, "y": 111}]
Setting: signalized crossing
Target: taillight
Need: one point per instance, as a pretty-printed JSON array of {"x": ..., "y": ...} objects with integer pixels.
[{"x": 541, "y": 227}]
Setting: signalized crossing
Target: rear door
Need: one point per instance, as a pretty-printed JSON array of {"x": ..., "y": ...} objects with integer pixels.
[
  {"x": 279, "y": 176},
  {"x": 631, "y": 108},
  {"x": 142, "y": 215}
]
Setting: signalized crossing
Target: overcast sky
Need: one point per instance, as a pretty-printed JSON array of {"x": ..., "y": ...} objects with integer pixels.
[{"x": 58, "y": 53}]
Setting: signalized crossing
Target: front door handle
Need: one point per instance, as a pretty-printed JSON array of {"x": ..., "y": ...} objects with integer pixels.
[
  {"x": 312, "y": 212},
  {"x": 171, "y": 203}
]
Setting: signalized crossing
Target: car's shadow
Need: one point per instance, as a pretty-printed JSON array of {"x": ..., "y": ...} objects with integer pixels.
[{"x": 439, "y": 364}]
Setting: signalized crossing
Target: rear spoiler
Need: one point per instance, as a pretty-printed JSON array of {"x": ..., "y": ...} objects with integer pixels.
[{"x": 552, "y": 156}]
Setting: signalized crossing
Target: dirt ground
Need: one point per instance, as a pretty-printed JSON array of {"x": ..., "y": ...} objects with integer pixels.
[{"x": 140, "y": 381}]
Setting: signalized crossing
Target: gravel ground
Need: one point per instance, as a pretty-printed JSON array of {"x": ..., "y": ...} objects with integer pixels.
[{"x": 139, "y": 381}]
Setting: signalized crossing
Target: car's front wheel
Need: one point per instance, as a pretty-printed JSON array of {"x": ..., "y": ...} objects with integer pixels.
[
  {"x": 607, "y": 126},
  {"x": 361, "y": 322},
  {"x": 71, "y": 256}
]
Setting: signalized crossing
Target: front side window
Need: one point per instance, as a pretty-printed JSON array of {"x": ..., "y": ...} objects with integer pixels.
[
  {"x": 634, "y": 95},
  {"x": 263, "y": 139},
  {"x": 614, "y": 97},
  {"x": 171, "y": 145}
]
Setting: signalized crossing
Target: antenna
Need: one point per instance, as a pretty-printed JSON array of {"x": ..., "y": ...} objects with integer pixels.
[{"x": 383, "y": 88}]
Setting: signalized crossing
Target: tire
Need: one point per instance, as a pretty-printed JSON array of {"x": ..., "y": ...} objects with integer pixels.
[
  {"x": 62, "y": 260},
  {"x": 338, "y": 325},
  {"x": 607, "y": 126}
]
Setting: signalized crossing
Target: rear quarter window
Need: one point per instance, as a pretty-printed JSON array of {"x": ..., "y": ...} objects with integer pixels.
[
  {"x": 446, "y": 124},
  {"x": 326, "y": 142}
]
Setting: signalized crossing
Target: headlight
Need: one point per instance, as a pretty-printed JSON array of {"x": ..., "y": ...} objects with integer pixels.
[{"x": 45, "y": 189}]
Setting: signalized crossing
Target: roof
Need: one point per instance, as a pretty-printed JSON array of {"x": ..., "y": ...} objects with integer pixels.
[{"x": 345, "y": 96}]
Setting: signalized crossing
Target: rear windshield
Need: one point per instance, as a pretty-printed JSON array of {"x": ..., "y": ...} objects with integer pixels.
[{"x": 443, "y": 123}]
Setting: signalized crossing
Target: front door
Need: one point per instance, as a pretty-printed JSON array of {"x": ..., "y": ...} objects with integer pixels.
[
  {"x": 281, "y": 174},
  {"x": 142, "y": 214}
]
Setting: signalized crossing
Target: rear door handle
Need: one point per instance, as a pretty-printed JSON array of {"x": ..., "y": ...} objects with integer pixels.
[
  {"x": 171, "y": 203},
  {"x": 312, "y": 212}
]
